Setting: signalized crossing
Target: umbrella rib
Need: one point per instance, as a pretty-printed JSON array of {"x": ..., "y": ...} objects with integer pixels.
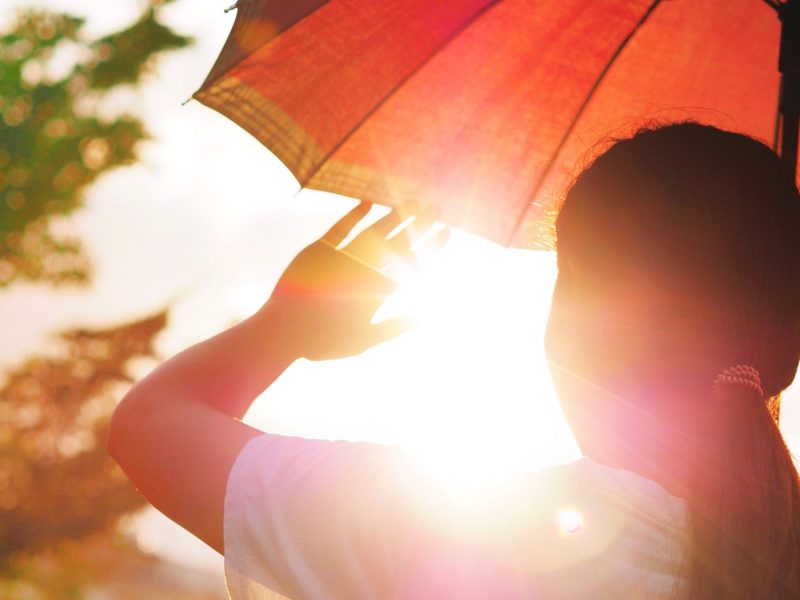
[
  {"x": 551, "y": 163},
  {"x": 394, "y": 89}
]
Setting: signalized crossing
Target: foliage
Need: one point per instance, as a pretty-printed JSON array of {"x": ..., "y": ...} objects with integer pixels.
[
  {"x": 55, "y": 139},
  {"x": 103, "y": 566},
  {"x": 56, "y": 479},
  {"x": 61, "y": 495}
]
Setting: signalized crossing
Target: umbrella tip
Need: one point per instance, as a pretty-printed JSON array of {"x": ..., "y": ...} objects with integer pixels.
[{"x": 231, "y": 7}]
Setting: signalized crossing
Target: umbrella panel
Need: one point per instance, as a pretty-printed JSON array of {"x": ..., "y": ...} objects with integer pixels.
[{"x": 469, "y": 108}]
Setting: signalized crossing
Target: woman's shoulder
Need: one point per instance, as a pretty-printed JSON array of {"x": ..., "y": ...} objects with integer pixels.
[{"x": 619, "y": 486}]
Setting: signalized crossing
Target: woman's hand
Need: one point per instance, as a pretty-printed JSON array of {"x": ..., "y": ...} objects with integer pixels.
[
  {"x": 178, "y": 431},
  {"x": 327, "y": 297}
]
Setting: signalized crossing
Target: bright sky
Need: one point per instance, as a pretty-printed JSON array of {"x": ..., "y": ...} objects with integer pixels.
[{"x": 206, "y": 224}]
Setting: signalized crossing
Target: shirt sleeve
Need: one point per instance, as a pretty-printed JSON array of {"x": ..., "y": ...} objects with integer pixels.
[{"x": 315, "y": 519}]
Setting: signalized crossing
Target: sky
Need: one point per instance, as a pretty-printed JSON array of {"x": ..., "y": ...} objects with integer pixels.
[{"x": 206, "y": 223}]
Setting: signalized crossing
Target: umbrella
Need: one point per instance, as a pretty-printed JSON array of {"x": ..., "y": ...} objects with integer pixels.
[{"x": 483, "y": 109}]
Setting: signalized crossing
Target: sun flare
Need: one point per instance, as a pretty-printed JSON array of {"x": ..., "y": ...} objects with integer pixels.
[{"x": 467, "y": 392}]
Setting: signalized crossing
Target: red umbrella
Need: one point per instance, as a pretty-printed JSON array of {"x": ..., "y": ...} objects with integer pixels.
[{"x": 483, "y": 109}]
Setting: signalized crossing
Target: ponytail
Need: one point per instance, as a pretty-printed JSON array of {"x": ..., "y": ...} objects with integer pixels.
[{"x": 744, "y": 505}]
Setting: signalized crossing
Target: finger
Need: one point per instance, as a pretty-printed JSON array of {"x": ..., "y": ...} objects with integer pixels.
[
  {"x": 434, "y": 243},
  {"x": 344, "y": 226},
  {"x": 387, "y": 224},
  {"x": 372, "y": 246},
  {"x": 390, "y": 329},
  {"x": 399, "y": 246},
  {"x": 440, "y": 238},
  {"x": 371, "y": 239},
  {"x": 420, "y": 227}
]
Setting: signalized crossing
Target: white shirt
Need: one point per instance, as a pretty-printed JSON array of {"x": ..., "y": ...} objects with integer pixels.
[{"x": 339, "y": 520}]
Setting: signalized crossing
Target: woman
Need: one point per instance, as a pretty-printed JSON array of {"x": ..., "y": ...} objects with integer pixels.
[{"x": 674, "y": 327}]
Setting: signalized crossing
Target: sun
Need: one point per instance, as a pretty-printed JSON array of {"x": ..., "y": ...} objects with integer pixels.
[
  {"x": 467, "y": 392},
  {"x": 482, "y": 311}
]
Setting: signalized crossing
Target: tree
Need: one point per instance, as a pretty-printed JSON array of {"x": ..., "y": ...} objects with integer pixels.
[
  {"x": 56, "y": 479},
  {"x": 54, "y": 138},
  {"x": 60, "y": 493}
]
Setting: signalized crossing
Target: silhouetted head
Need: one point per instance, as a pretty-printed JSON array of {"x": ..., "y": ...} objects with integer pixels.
[{"x": 678, "y": 256}]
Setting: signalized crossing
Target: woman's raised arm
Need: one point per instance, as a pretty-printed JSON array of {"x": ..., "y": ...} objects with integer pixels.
[{"x": 177, "y": 433}]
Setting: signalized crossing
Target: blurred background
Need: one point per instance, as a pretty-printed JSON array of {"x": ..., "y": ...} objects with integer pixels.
[{"x": 132, "y": 226}]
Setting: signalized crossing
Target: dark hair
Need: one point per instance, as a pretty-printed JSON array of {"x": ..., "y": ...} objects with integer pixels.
[{"x": 679, "y": 256}]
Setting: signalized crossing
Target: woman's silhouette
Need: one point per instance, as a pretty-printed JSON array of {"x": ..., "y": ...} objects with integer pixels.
[{"x": 675, "y": 325}]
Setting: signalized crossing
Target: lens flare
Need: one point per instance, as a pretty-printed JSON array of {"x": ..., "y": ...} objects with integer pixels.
[
  {"x": 569, "y": 521},
  {"x": 467, "y": 392}
]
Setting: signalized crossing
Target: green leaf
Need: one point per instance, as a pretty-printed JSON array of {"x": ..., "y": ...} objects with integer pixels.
[
  {"x": 124, "y": 57},
  {"x": 50, "y": 151}
]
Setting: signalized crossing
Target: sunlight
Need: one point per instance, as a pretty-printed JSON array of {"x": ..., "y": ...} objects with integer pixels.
[
  {"x": 467, "y": 392},
  {"x": 480, "y": 307},
  {"x": 248, "y": 296}
]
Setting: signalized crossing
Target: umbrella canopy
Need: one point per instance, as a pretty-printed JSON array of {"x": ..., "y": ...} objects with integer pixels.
[{"x": 484, "y": 109}]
